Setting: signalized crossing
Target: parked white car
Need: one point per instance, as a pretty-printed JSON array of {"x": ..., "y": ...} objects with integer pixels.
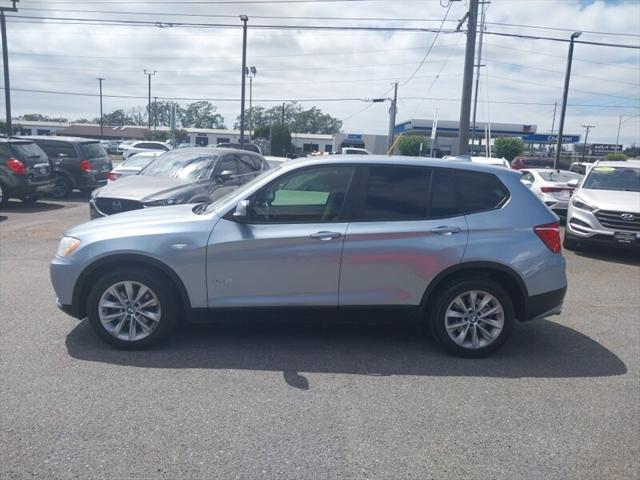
[
  {"x": 605, "y": 209},
  {"x": 494, "y": 162},
  {"x": 551, "y": 186},
  {"x": 132, "y": 165},
  {"x": 354, "y": 151},
  {"x": 275, "y": 161},
  {"x": 145, "y": 146}
]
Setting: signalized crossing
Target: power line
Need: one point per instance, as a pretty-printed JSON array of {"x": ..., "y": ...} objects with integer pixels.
[
  {"x": 161, "y": 24},
  {"x": 433, "y": 42},
  {"x": 277, "y": 100}
]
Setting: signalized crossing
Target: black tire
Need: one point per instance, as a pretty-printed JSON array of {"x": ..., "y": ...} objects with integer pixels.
[
  {"x": 63, "y": 187},
  {"x": 437, "y": 318},
  {"x": 3, "y": 196},
  {"x": 570, "y": 243},
  {"x": 158, "y": 286}
]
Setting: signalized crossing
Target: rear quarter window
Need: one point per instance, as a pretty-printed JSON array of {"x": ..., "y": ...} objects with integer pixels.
[
  {"x": 93, "y": 150},
  {"x": 480, "y": 192},
  {"x": 56, "y": 149}
]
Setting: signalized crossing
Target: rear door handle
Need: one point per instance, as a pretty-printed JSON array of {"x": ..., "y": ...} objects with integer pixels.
[
  {"x": 444, "y": 230},
  {"x": 325, "y": 235}
]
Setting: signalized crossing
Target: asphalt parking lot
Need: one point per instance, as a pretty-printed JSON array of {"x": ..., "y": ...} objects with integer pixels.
[{"x": 560, "y": 400}]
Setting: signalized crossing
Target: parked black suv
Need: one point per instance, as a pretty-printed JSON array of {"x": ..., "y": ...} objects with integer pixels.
[
  {"x": 79, "y": 163},
  {"x": 25, "y": 171}
]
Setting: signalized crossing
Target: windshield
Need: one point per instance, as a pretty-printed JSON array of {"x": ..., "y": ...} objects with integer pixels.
[
  {"x": 240, "y": 191},
  {"x": 555, "y": 176},
  {"x": 180, "y": 164},
  {"x": 93, "y": 150},
  {"x": 613, "y": 178}
]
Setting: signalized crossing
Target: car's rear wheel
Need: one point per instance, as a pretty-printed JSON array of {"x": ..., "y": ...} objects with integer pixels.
[
  {"x": 472, "y": 318},
  {"x": 131, "y": 309},
  {"x": 62, "y": 187},
  {"x": 3, "y": 197}
]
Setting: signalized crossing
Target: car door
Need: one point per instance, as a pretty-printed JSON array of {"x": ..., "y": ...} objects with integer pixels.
[
  {"x": 286, "y": 251},
  {"x": 406, "y": 229}
]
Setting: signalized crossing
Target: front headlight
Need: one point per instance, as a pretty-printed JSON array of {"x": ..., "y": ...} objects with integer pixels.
[
  {"x": 67, "y": 246},
  {"x": 576, "y": 202},
  {"x": 164, "y": 203}
]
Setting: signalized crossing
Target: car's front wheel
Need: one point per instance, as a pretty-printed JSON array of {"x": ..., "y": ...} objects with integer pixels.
[
  {"x": 62, "y": 188},
  {"x": 472, "y": 318},
  {"x": 131, "y": 309}
]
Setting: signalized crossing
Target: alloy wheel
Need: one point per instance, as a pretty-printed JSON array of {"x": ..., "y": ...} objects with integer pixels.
[
  {"x": 129, "y": 310},
  {"x": 474, "y": 319}
]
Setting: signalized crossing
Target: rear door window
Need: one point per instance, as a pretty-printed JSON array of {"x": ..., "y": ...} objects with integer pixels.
[
  {"x": 248, "y": 164},
  {"x": 29, "y": 153},
  {"x": 480, "y": 191},
  {"x": 443, "y": 199},
  {"x": 394, "y": 193}
]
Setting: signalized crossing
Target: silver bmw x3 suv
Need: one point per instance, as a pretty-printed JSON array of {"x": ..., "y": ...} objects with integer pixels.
[{"x": 463, "y": 249}]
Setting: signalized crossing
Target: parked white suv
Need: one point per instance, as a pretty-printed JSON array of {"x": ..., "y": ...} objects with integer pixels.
[
  {"x": 605, "y": 209},
  {"x": 145, "y": 146}
]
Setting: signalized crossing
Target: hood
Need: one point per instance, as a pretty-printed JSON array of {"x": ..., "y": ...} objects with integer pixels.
[
  {"x": 147, "y": 219},
  {"x": 144, "y": 187},
  {"x": 615, "y": 200}
]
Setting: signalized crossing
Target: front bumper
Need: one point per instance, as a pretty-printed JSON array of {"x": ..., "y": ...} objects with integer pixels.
[
  {"x": 64, "y": 276},
  {"x": 584, "y": 227}
]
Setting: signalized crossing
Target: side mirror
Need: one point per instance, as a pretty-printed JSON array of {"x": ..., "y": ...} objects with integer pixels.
[
  {"x": 225, "y": 175},
  {"x": 573, "y": 183},
  {"x": 241, "y": 209}
]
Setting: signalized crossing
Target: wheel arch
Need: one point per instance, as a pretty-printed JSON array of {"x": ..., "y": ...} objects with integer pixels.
[
  {"x": 91, "y": 273},
  {"x": 70, "y": 177},
  {"x": 505, "y": 276}
]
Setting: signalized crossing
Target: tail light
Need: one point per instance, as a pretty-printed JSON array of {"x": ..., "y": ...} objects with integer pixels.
[
  {"x": 549, "y": 233},
  {"x": 555, "y": 189},
  {"x": 85, "y": 166},
  {"x": 113, "y": 176},
  {"x": 16, "y": 166}
]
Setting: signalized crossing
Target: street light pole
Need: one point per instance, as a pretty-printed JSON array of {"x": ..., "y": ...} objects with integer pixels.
[
  {"x": 101, "y": 114},
  {"x": 251, "y": 73},
  {"x": 565, "y": 93},
  {"x": 149, "y": 74},
  {"x": 475, "y": 95},
  {"x": 5, "y": 63},
  {"x": 467, "y": 80},
  {"x": 244, "y": 20},
  {"x": 586, "y": 137}
]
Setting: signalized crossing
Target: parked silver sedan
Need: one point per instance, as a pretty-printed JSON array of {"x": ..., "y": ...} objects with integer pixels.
[
  {"x": 132, "y": 165},
  {"x": 551, "y": 186}
]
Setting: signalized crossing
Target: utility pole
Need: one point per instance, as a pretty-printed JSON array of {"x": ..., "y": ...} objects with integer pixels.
[
  {"x": 244, "y": 20},
  {"x": 149, "y": 74},
  {"x": 393, "y": 109},
  {"x": 101, "y": 115},
  {"x": 565, "y": 93},
  {"x": 475, "y": 95},
  {"x": 5, "y": 63},
  {"x": 282, "y": 113},
  {"x": 251, "y": 73},
  {"x": 155, "y": 114},
  {"x": 586, "y": 137},
  {"x": 467, "y": 81}
]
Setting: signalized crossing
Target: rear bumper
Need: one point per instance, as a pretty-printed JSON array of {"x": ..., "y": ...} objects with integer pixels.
[
  {"x": 21, "y": 186},
  {"x": 545, "y": 304}
]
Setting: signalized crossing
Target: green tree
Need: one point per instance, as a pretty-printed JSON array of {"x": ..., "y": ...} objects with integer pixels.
[
  {"x": 38, "y": 117},
  {"x": 613, "y": 156},
  {"x": 410, "y": 145},
  {"x": 202, "y": 114},
  {"x": 164, "y": 135},
  {"x": 262, "y": 132},
  {"x": 163, "y": 112},
  {"x": 633, "y": 151},
  {"x": 508, "y": 147},
  {"x": 116, "y": 118},
  {"x": 82, "y": 120},
  {"x": 295, "y": 117},
  {"x": 280, "y": 140}
]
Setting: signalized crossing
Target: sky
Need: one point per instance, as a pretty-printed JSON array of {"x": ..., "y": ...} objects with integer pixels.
[{"x": 337, "y": 71}]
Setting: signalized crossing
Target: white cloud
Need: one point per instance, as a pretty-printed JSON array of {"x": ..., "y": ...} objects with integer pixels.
[{"x": 205, "y": 63}]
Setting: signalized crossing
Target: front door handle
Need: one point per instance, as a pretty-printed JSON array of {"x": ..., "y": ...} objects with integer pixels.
[
  {"x": 444, "y": 230},
  {"x": 325, "y": 235}
]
